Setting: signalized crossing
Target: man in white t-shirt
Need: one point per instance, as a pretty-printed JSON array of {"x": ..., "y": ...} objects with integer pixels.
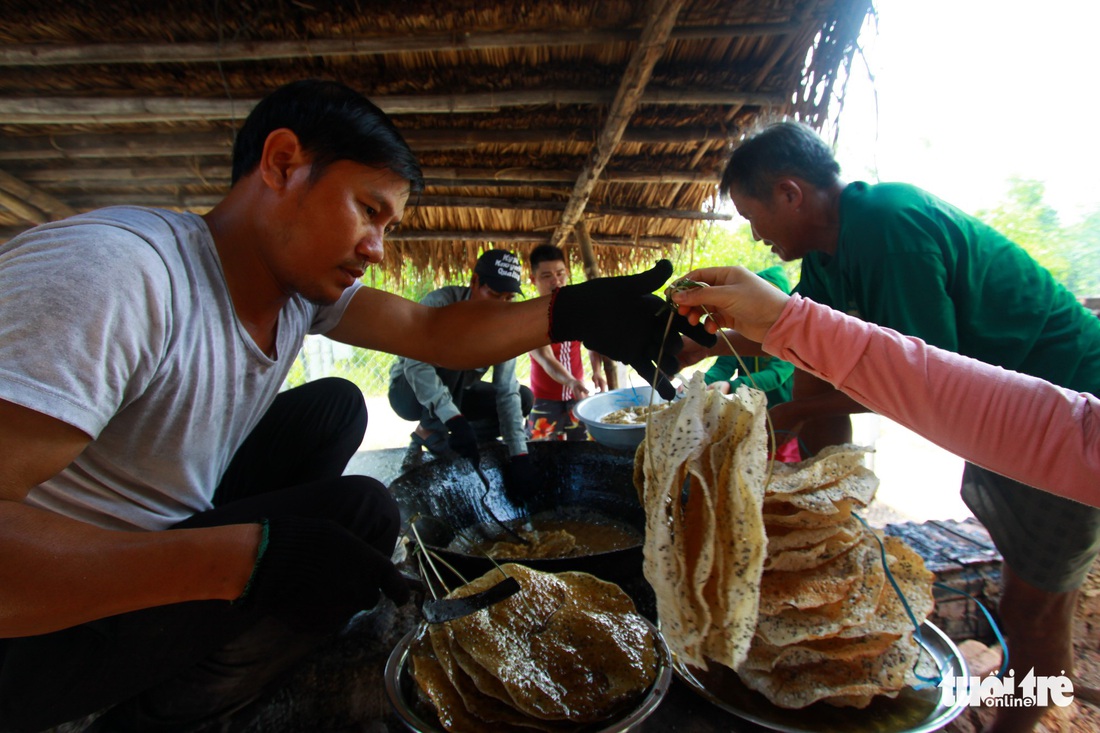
[{"x": 175, "y": 533}]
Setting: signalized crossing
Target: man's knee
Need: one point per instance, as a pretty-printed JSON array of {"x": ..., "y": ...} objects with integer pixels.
[
  {"x": 403, "y": 401},
  {"x": 1040, "y": 612},
  {"x": 346, "y": 397},
  {"x": 365, "y": 507}
]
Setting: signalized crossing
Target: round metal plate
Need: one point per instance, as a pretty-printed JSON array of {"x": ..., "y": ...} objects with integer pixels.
[
  {"x": 419, "y": 718},
  {"x": 912, "y": 711}
]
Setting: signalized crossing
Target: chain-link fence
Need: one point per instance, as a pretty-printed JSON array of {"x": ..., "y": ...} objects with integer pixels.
[{"x": 370, "y": 370}]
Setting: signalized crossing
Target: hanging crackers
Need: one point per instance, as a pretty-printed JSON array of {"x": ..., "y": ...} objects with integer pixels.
[
  {"x": 773, "y": 575},
  {"x": 701, "y": 473}
]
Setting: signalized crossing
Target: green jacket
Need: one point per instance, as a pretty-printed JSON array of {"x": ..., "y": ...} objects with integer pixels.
[{"x": 911, "y": 262}]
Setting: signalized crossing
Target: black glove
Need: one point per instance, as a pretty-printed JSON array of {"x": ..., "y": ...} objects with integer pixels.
[
  {"x": 618, "y": 317},
  {"x": 521, "y": 480},
  {"x": 313, "y": 570},
  {"x": 462, "y": 438}
]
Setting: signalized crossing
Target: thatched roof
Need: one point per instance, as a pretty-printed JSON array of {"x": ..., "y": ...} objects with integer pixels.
[{"x": 529, "y": 116}]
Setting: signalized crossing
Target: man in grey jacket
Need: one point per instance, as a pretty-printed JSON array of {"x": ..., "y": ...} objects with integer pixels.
[{"x": 456, "y": 409}]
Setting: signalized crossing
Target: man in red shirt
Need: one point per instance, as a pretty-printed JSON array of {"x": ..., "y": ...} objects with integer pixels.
[{"x": 557, "y": 375}]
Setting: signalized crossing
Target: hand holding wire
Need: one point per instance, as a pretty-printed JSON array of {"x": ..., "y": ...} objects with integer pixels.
[{"x": 736, "y": 298}]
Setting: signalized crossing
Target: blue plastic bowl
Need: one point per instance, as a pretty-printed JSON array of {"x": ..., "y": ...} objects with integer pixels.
[{"x": 625, "y": 437}]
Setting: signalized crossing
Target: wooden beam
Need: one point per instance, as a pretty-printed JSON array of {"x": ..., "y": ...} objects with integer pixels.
[
  {"x": 42, "y": 206},
  {"x": 153, "y": 175},
  {"x": 218, "y": 175},
  {"x": 511, "y": 204},
  {"x": 211, "y": 144},
  {"x": 649, "y": 241},
  {"x": 509, "y": 176},
  {"x": 40, "y": 110},
  {"x": 643, "y": 135},
  {"x": 114, "y": 147},
  {"x": 87, "y": 202},
  {"x": 660, "y": 17},
  {"x": 22, "y": 209},
  {"x": 43, "y": 54},
  {"x": 188, "y": 201}
]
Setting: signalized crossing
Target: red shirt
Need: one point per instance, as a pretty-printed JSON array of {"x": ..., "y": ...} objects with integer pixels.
[{"x": 544, "y": 386}]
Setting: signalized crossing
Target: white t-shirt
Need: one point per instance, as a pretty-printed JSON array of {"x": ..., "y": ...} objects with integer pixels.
[{"x": 119, "y": 322}]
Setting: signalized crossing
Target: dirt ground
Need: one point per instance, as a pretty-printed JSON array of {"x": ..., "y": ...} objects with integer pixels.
[{"x": 1080, "y": 716}]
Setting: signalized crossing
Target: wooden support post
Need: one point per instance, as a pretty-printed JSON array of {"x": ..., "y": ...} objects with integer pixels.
[{"x": 592, "y": 270}]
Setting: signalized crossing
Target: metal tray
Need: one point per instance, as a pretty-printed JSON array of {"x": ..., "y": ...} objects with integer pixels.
[
  {"x": 912, "y": 711},
  {"x": 419, "y": 718}
]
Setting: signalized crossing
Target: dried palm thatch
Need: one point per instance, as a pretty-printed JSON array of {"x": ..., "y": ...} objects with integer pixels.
[{"x": 533, "y": 120}]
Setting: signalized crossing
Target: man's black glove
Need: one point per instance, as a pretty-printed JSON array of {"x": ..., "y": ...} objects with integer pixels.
[
  {"x": 312, "y": 569},
  {"x": 521, "y": 480},
  {"x": 620, "y": 318},
  {"x": 462, "y": 438}
]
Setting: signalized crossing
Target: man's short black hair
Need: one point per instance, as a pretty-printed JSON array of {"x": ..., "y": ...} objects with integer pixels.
[
  {"x": 545, "y": 253},
  {"x": 781, "y": 150},
  {"x": 333, "y": 122}
]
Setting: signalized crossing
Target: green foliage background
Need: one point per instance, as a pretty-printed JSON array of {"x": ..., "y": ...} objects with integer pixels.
[
  {"x": 1071, "y": 253},
  {"x": 731, "y": 243}
]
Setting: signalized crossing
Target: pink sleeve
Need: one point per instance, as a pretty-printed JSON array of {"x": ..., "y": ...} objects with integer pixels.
[{"x": 1019, "y": 426}]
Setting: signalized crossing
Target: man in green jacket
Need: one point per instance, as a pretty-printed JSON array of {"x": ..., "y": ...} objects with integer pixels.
[{"x": 897, "y": 256}]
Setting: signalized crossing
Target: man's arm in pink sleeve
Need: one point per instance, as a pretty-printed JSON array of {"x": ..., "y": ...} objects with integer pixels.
[{"x": 1019, "y": 426}]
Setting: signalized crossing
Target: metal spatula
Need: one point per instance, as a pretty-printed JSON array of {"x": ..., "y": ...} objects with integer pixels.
[{"x": 439, "y": 610}]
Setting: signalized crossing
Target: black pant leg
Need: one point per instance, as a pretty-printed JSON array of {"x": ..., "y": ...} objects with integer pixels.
[
  {"x": 308, "y": 433},
  {"x": 239, "y": 670},
  {"x": 479, "y": 405},
  {"x": 403, "y": 401},
  {"x": 175, "y": 664},
  {"x": 406, "y": 406}
]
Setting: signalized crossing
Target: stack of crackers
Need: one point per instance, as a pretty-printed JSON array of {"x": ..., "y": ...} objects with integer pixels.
[
  {"x": 764, "y": 568},
  {"x": 568, "y": 649},
  {"x": 831, "y": 626}
]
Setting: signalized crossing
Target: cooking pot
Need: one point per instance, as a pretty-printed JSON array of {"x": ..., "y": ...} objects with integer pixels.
[{"x": 445, "y": 495}]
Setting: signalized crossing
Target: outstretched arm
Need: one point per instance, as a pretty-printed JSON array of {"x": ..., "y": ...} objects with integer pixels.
[
  {"x": 463, "y": 335},
  {"x": 544, "y": 357},
  {"x": 616, "y": 316},
  {"x": 599, "y": 379},
  {"x": 58, "y": 572},
  {"x": 1017, "y": 425}
]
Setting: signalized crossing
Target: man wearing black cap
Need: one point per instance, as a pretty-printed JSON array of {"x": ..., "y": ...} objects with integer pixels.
[{"x": 456, "y": 409}]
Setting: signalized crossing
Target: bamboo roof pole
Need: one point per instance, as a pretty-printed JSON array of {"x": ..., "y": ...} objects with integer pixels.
[
  {"x": 220, "y": 143},
  {"x": 220, "y": 174},
  {"x": 660, "y": 17},
  {"x": 651, "y": 241},
  {"x": 42, "y": 110},
  {"x": 30, "y": 203},
  {"x": 88, "y": 201},
  {"x": 39, "y": 55},
  {"x": 22, "y": 209}
]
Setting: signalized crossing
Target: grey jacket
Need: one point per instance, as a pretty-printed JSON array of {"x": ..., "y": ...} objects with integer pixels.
[{"x": 434, "y": 395}]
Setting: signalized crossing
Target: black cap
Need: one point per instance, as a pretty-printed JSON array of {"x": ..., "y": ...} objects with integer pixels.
[{"x": 500, "y": 270}]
